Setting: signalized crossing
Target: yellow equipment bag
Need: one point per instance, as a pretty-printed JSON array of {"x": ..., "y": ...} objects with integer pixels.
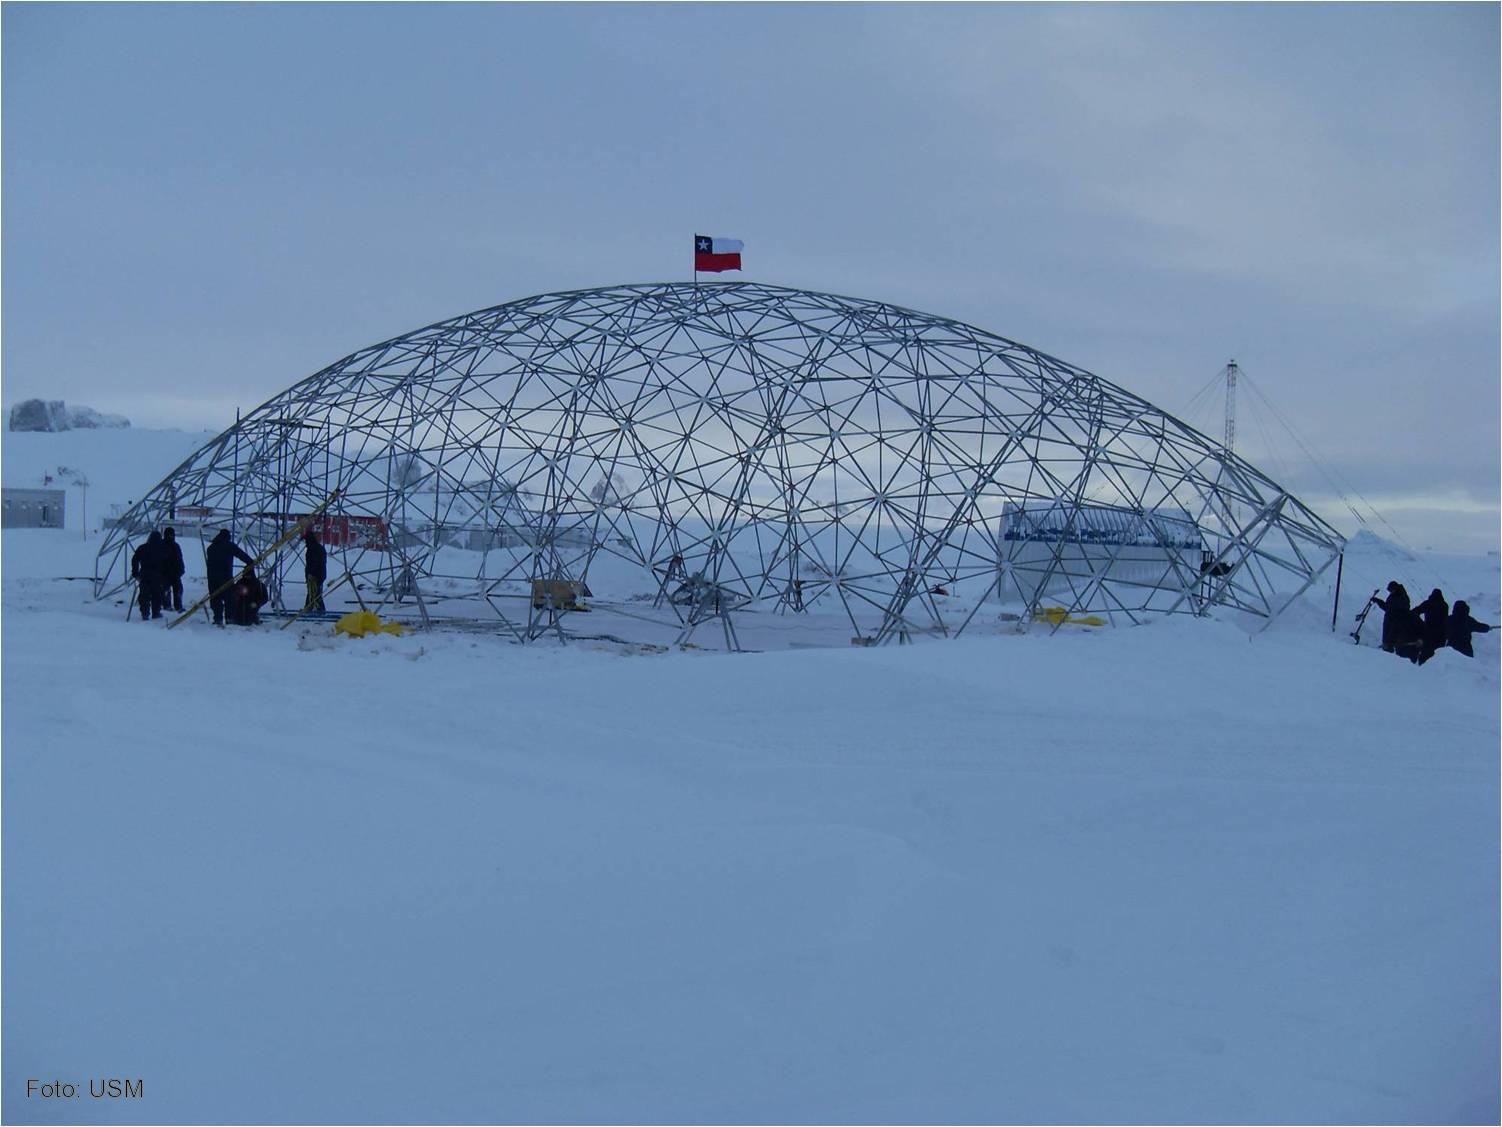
[
  {"x": 358, "y": 623},
  {"x": 1056, "y": 615}
]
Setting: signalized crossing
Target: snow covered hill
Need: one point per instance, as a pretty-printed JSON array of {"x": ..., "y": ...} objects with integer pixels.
[{"x": 1165, "y": 874}]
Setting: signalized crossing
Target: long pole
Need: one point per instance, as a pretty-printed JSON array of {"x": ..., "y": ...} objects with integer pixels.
[
  {"x": 234, "y": 496},
  {"x": 1340, "y": 567}
]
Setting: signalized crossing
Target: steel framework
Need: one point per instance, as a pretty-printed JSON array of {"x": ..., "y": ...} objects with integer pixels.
[{"x": 710, "y": 453}]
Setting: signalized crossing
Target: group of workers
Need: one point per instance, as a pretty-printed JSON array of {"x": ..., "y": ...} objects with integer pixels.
[
  {"x": 1414, "y": 632},
  {"x": 157, "y": 568},
  {"x": 1419, "y": 632}
]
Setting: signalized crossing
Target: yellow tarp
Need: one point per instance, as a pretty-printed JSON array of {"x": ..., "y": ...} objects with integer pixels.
[
  {"x": 358, "y": 623},
  {"x": 1055, "y": 615}
]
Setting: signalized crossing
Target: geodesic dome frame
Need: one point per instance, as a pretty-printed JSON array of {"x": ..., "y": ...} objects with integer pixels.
[{"x": 714, "y": 452}]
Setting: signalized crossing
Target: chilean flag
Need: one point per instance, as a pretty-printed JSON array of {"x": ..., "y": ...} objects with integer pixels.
[{"x": 712, "y": 255}]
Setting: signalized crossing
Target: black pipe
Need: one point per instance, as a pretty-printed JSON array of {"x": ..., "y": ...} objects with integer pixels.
[{"x": 1340, "y": 566}]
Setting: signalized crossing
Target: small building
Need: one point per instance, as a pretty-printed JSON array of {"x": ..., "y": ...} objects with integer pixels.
[{"x": 33, "y": 508}]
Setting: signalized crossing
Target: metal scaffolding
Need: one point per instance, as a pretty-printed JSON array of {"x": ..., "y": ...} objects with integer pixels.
[{"x": 705, "y": 453}]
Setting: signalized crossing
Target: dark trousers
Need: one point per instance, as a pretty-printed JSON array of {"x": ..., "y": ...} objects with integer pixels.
[
  {"x": 218, "y": 603},
  {"x": 1412, "y": 650},
  {"x": 150, "y": 600},
  {"x": 314, "y": 601},
  {"x": 172, "y": 594}
]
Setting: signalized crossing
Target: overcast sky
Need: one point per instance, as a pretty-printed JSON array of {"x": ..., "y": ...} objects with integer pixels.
[{"x": 205, "y": 204}]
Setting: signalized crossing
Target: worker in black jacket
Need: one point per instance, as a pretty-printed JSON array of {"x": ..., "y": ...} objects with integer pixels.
[
  {"x": 146, "y": 570},
  {"x": 172, "y": 571},
  {"x": 1434, "y": 614},
  {"x": 219, "y": 559},
  {"x": 315, "y": 570},
  {"x": 1395, "y": 616},
  {"x": 249, "y": 596},
  {"x": 1461, "y": 626}
]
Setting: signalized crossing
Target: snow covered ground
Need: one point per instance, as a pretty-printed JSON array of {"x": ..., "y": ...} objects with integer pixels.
[{"x": 1171, "y": 873}]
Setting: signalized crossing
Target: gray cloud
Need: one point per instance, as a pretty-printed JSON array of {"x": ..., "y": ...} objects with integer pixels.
[{"x": 203, "y": 204}]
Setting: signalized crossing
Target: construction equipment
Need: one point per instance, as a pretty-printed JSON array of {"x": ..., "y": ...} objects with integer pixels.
[
  {"x": 1361, "y": 618},
  {"x": 563, "y": 594}
]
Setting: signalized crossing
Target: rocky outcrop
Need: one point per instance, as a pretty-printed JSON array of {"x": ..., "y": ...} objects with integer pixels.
[{"x": 55, "y": 415}]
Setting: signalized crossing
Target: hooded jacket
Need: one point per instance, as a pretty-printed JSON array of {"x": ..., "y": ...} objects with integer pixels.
[
  {"x": 1396, "y": 616},
  {"x": 146, "y": 563},
  {"x": 315, "y": 559},
  {"x": 219, "y": 558},
  {"x": 1460, "y": 627},
  {"x": 172, "y": 557},
  {"x": 1435, "y": 612}
]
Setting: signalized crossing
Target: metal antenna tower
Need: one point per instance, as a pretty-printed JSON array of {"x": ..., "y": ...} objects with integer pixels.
[{"x": 1232, "y": 371}]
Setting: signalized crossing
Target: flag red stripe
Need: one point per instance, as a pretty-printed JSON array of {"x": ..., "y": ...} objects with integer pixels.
[{"x": 713, "y": 263}]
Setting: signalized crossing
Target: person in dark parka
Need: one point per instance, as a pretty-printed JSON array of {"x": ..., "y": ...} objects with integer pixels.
[
  {"x": 1461, "y": 626},
  {"x": 250, "y": 596},
  {"x": 315, "y": 570},
  {"x": 219, "y": 559},
  {"x": 1395, "y": 616},
  {"x": 146, "y": 570},
  {"x": 172, "y": 571},
  {"x": 1434, "y": 614}
]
